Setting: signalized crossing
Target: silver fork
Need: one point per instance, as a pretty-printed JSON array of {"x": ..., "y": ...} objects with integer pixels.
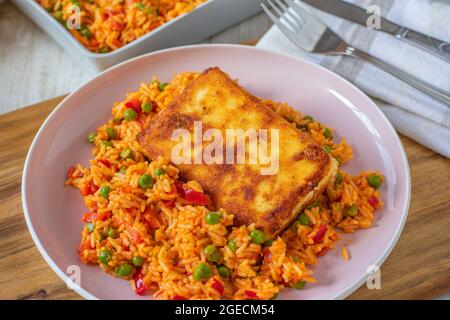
[{"x": 311, "y": 35}]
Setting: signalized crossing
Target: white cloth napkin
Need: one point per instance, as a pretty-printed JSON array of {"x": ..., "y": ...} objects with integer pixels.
[{"x": 412, "y": 113}]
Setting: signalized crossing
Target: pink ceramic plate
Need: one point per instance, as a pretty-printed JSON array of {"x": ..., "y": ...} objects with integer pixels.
[{"x": 53, "y": 212}]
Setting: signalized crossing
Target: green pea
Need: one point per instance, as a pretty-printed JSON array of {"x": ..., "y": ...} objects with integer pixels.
[
  {"x": 212, "y": 218},
  {"x": 162, "y": 86},
  {"x": 340, "y": 161},
  {"x": 295, "y": 258},
  {"x": 90, "y": 226},
  {"x": 338, "y": 179},
  {"x": 327, "y": 149},
  {"x": 140, "y": 6},
  {"x": 223, "y": 271},
  {"x": 352, "y": 210},
  {"x": 138, "y": 261},
  {"x": 268, "y": 243},
  {"x": 202, "y": 271},
  {"x": 146, "y": 181},
  {"x": 309, "y": 118},
  {"x": 123, "y": 170},
  {"x": 147, "y": 107},
  {"x": 327, "y": 134},
  {"x": 298, "y": 285},
  {"x": 112, "y": 133},
  {"x": 124, "y": 270},
  {"x": 374, "y": 181},
  {"x": 75, "y": 3},
  {"x": 295, "y": 225},
  {"x": 58, "y": 15},
  {"x": 104, "y": 256},
  {"x": 106, "y": 143},
  {"x": 85, "y": 32},
  {"x": 315, "y": 203},
  {"x": 104, "y": 191},
  {"x": 130, "y": 114},
  {"x": 148, "y": 10},
  {"x": 160, "y": 172},
  {"x": 126, "y": 154},
  {"x": 232, "y": 245},
  {"x": 304, "y": 220},
  {"x": 91, "y": 137},
  {"x": 215, "y": 256},
  {"x": 257, "y": 236},
  {"x": 111, "y": 232},
  {"x": 104, "y": 50},
  {"x": 209, "y": 249}
]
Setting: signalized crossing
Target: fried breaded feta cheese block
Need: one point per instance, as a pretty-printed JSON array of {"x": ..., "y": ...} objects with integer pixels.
[{"x": 269, "y": 193}]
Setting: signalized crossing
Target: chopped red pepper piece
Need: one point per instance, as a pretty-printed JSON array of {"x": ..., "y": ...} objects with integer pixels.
[
  {"x": 70, "y": 172},
  {"x": 93, "y": 216},
  {"x": 151, "y": 218},
  {"x": 322, "y": 252},
  {"x": 251, "y": 294},
  {"x": 192, "y": 196},
  {"x": 88, "y": 188},
  {"x": 216, "y": 285},
  {"x": 116, "y": 25},
  {"x": 105, "y": 162},
  {"x": 319, "y": 234},
  {"x": 136, "y": 237},
  {"x": 267, "y": 255},
  {"x": 134, "y": 104},
  {"x": 169, "y": 203},
  {"x": 141, "y": 288},
  {"x": 373, "y": 201},
  {"x": 178, "y": 298}
]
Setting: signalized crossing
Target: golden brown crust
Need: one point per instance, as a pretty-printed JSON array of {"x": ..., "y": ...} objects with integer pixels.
[{"x": 271, "y": 202}]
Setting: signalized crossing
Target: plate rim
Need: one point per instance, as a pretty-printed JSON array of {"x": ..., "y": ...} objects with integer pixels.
[{"x": 340, "y": 295}]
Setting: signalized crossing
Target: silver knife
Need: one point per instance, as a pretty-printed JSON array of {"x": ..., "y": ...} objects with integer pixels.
[{"x": 354, "y": 13}]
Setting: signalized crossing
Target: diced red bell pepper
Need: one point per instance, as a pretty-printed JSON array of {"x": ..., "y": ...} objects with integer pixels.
[
  {"x": 88, "y": 188},
  {"x": 319, "y": 234},
  {"x": 169, "y": 203},
  {"x": 93, "y": 216},
  {"x": 151, "y": 218},
  {"x": 216, "y": 285},
  {"x": 136, "y": 237},
  {"x": 373, "y": 201},
  {"x": 322, "y": 252},
  {"x": 70, "y": 172},
  {"x": 177, "y": 297},
  {"x": 105, "y": 162},
  {"x": 192, "y": 196},
  {"x": 134, "y": 104},
  {"x": 116, "y": 25},
  {"x": 251, "y": 294},
  {"x": 141, "y": 288},
  {"x": 267, "y": 255}
]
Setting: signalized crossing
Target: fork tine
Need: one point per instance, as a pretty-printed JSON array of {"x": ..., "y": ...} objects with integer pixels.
[
  {"x": 286, "y": 7},
  {"x": 284, "y": 29},
  {"x": 282, "y": 15},
  {"x": 299, "y": 10}
]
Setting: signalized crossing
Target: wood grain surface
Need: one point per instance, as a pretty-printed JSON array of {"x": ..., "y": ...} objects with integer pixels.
[{"x": 418, "y": 268}]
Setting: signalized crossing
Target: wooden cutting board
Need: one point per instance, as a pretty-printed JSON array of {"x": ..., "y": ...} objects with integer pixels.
[{"x": 418, "y": 267}]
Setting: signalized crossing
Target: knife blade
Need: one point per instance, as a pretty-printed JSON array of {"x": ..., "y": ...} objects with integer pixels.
[{"x": 358, "y": 15}]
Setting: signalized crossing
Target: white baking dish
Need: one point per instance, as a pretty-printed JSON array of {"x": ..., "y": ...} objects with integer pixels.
[{"x": 206, "y": 20}]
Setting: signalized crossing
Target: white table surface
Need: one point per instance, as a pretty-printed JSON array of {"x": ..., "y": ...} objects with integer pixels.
[{"x": 34, "y": 68}]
